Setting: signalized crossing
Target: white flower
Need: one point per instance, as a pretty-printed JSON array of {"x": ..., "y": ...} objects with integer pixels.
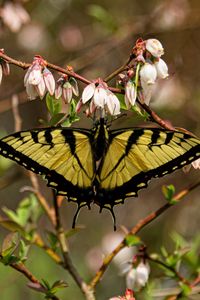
[
  {"x": 147, "y": 90},
  {"x": 130, "y": 94},
  {"x": 148, "y": 73},
  {"x": 100, "y": 97},
  {"x": 137, "y": 277},
  {"x": 38, "y": 79},
  {"x": 154, "y": 47},
  {"x": 161, "y": 68},
  {"x": 49, "y": 81},
  {"x": 88, "y": 92},
  {"x": 35, "y": 75},
  {"x": 196, "y": 164},
  {"x": 41, "y": 88},
  {"x": 112, "y": 104}
]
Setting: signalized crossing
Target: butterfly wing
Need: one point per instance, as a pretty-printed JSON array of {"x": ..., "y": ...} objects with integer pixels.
[
  {"x": 136, "y": 155},
  {"x": 64, "y": 156}
]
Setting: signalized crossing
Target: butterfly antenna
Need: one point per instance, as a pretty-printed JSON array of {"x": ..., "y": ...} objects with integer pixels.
[
  {"x": 76, "y": 216},
  {"x": 114, "y": 219}
]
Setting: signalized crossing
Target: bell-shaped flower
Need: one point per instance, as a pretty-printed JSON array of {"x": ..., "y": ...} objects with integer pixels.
[
  {"x": 155, "y": 47},
  {"x": 88, "y": 92},
  {"x": 147, "y": 91},
  {"x": 49, "y": 81},
  {"x": 148, "y": 73},
  {"x": 100, "y": 96},
  {"x": 41, "y": 88},
  {"x": 35, "y": 75},
  {"x": 112, "y": 104},
  {"x": 137, "y": 277},
  {"x": 130, "y": 94},
  {"x": 161, "y": 68}
]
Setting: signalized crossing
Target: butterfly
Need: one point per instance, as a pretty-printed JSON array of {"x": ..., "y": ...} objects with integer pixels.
[{"x": 100, "y": 165}]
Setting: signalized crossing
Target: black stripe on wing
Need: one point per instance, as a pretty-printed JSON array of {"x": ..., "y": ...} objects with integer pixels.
[
  {"x": 109, "y": 198},
  {"x": 55, "y": 180}
]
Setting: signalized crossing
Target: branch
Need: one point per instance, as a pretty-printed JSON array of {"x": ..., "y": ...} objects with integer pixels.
[
  {"x": 54, "y": 67},
  {"x": 24, "y": 65},
  {"x": 142, "y": 223},
  {"x": 20, "y": 267},
  {"x": 66, "y": 257}
]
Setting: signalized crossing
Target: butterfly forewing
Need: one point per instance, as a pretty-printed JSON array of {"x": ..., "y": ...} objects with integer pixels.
[
  {"x": 136, "y": 155},
  {"x": 64, "y": 156}
]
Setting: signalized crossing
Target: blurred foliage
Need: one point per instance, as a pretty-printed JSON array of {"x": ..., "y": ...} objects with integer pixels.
[{"x": 95, "y": 37}]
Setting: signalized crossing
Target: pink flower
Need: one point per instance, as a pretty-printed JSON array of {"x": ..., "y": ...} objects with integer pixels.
[
  {"x": 66, "y": 87},
  {"x": 38, "y": 79}
]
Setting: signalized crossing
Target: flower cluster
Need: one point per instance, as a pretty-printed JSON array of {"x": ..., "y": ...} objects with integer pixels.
[
  {"x": 38, "y": 79},
  {"x": 65, "y": 88},
  {"x": 148, "y": 66},
  {"x": 100, "y": 97},
  {"x": 14, "y": 15}
]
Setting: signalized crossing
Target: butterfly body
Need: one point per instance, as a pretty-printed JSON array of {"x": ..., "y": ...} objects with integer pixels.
[{"x": 100, "y": 165}]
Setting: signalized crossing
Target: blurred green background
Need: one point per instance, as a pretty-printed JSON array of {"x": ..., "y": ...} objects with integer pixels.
[{"x": 96, "y": 37}]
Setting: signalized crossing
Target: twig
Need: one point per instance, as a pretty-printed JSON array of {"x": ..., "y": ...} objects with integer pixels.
[
  {"x": 54, "y": 67},
  {"x": 24, "y": 65},
  {"x": 142, "y": 223},
  {"x": 66, "y": 257},
  {"x": 41, "y": 198},
  {"x": 20, "y": 267},
  {"x": 176, "y": 273}
]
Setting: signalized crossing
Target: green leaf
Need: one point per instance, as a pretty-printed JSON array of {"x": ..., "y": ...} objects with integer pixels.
[
  {"x": 10, "y": 243},
  {"x": 133, "y": 240},
  {"x": 11, "y": 225},
  {"x": 55, "y": 119},
  {"x": 54, "y": 105},
  {"x": 53, "y": 240},
  {"x": 186, "y": 289},
  {"x": 23, "y": 251},
  {"x": 59, "y": 284},
  {"x": 168, "y": 192}
]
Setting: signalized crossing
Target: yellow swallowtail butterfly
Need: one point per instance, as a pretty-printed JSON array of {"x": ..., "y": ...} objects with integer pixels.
[{"x": 100, "y": 165}]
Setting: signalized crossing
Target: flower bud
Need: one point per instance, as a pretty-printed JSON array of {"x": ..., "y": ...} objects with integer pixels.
[
  {"x": 112, "y": 103},
  {"x": 154, "y": 47},
  {"x": 161, "y": 68},
  {"x": 130, "y": 94},
  {"x": 148, "y": 73},
  {"x": 88, "y": 92},
  {"x": 67, "y": 92},
  {"x": 49, "y": 81},
  {"x": 58, "y": 91}
]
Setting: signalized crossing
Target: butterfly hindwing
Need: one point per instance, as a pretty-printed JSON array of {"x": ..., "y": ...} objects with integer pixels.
[
  {"x": 139, "y": 155},
  {"x": 64, "y": 156}
]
